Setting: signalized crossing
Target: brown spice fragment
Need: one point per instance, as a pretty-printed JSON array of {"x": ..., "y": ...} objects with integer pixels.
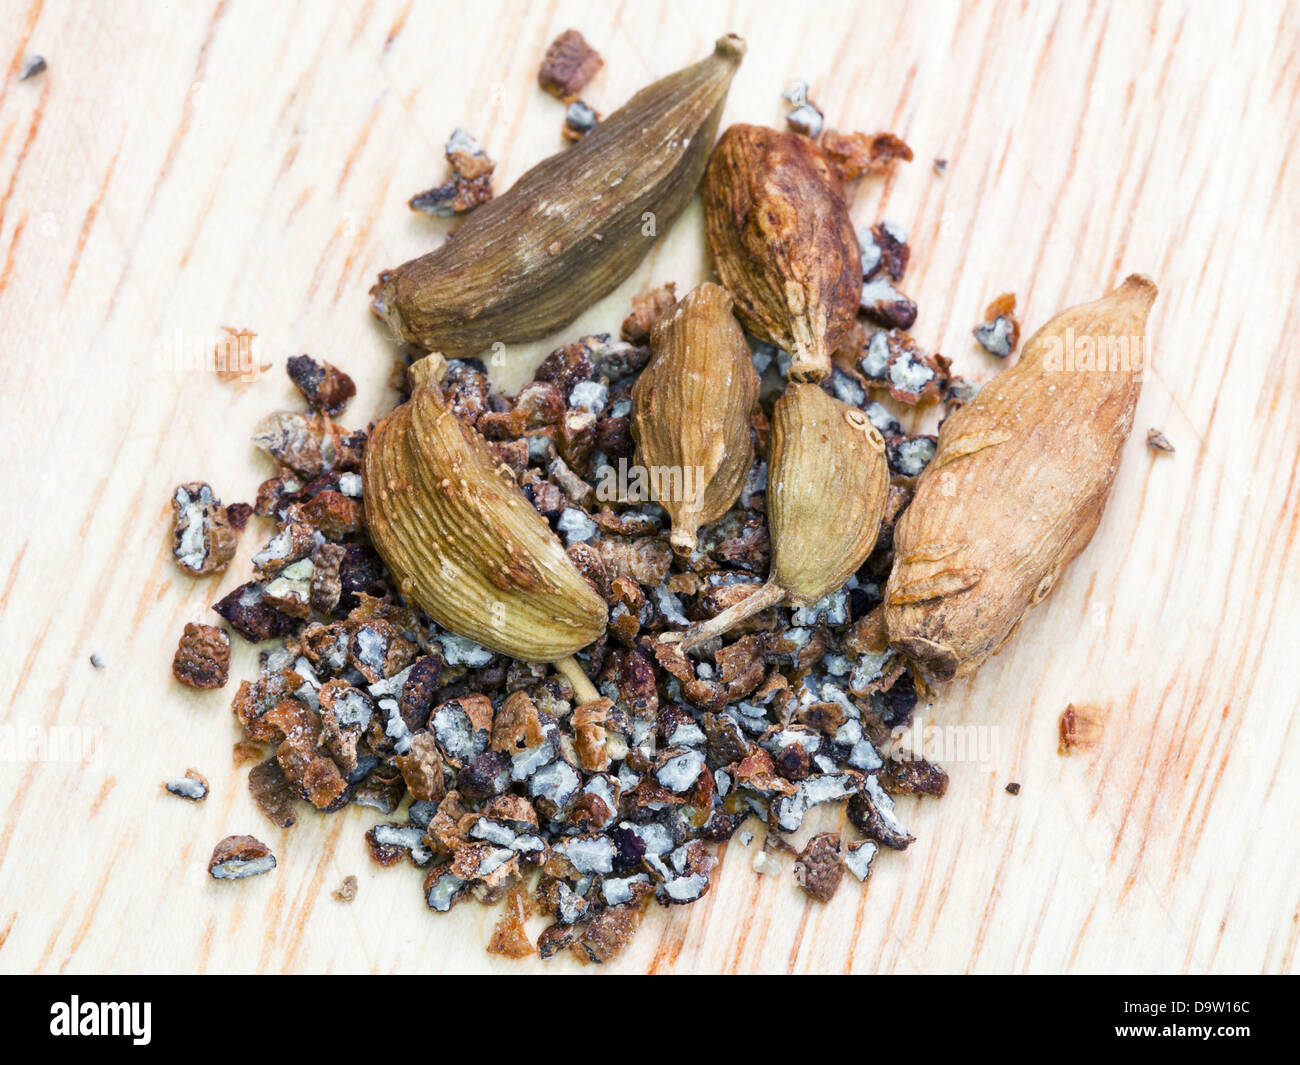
[
  {"x": 999, "y": 333},
  {"x": 422, "y": 768},
  {"x": 1158, "y": 441},
  {"x": 588, "y": 723},
  {"x": 346, "y": 891},
  {"x": 237, "y": 857},
  {"x": 238, "y": 514},
  {"x": 202, "y": 658},
  {"x": 272, "y": 793},
  {"x": 251, "y": 616},
  {"x": 1080, "y": 727},
  {"x": 1013, "y": 788},
  {"x": 193, "y": 786},
  {"x": 913, "y": 776},
  {"x": 818, "y": 869},
  {"x": 647, "y": 309},
  {"x": 516, "y": 724},
  {"x": 242, "y": 752},
  {"x": 470, "y": 184},
  {"x": 510, "y": 937},
  {"x": 605, "y": 936},
  {"x": 323, "y": 385},
  {"x": 570, "y": 62},
  {"x": 851, "y": 155},
  {"x": 202, "y": 540}
]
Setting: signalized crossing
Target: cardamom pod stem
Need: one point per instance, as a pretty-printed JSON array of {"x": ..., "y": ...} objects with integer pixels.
[{"x": 572, "y": 228}]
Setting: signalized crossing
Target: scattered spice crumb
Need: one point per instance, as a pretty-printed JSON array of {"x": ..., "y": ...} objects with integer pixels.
[
  {"x": 96, "y": 660},
  {"x": 579, "y": 119},
  {"x": 346, "y": 891},
  {"x": 569, "y": 64},
  {"x": 238, "y": 514},
  {"x": 192, "y": 786},
  {"x": 239, "y": 857},
  {"x": 1013, "y": 788},
  {"x": 470, "y": 183},
  {"x": 818, "y": 869},
  {"x": 940, "y": 165},
  {"x": 1157, "y": 441},
  {"x": 202, "y": 658},
  {"x": 32, "y": 65},
  {"x": 1080, "y": 727},
  {"x": 855, "y": 155},
  {"x": 244, "y": 752},
  {"x": 999, "y": 333}
]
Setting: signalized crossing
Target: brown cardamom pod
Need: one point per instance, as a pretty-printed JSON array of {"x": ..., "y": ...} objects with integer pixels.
[
  {"x": 691, "y": 410},
  {"x": 1017, "y": 485},
  {"x": 827, "y": 483},
  {"x": 783, "y": 243},
  {"x": 572, "y": 228},
  {"x": 463, "y": 542}
]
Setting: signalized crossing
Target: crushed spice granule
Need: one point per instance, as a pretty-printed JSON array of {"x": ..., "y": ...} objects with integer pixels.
[
  {"x": 568, "y": 65},
  {"x": 202, "y": 658},
  {"x": 1157, "y": 441}
]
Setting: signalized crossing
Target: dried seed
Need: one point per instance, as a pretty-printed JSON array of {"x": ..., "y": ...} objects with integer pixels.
[
  {"x": 1017, "y": 486},
  {"x": 202, "y": 658},
  {"x": 783, "y": 243},
  {"x": 192, "y": 786},
  {"x": 202, "y": 540},
  {"x": 534, "y": 258},
  {"x": 691, "y": 409},
  {"x": 238, "y": 857}
]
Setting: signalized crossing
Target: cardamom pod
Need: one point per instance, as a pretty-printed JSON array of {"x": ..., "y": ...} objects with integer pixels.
[
  {"x": 1017, "y": 485},
  {"x": 783, "y": 243},
  {"x": 827, "y": 483},
  {"x": 691, "y": 409},
  {"x": 463, "y": 542},
  {"x": 572, "y": 228}
]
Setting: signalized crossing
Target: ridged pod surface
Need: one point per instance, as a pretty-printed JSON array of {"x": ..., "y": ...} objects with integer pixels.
[
  {"x": 463, "y": 542},
  {"x": 783, "y": 243},
  {"x": 1016, "y": 487},
  {"x": 691, "y": 411},
  {"x": 572, "y": 228},
  {"x": 827, "y": 484}
]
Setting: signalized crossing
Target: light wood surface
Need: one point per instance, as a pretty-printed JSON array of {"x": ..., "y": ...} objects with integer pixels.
[{"x": 184, "y": 167}]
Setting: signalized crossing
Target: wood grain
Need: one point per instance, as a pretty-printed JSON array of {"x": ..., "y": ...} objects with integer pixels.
[{"x": 183, "y": 168}]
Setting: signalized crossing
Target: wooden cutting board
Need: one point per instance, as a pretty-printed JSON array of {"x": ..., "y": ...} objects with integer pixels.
[{"x": 178, "y": 169}]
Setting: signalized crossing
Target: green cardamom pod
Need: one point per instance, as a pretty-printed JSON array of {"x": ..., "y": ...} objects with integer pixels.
[
  {"x": 691, "y": 409},
  {"x": 572, "y": 228},
  {"x": 463, "y": 542}
]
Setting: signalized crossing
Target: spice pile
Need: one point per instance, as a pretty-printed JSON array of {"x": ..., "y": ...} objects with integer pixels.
[{"x": 679, "y": 663}]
